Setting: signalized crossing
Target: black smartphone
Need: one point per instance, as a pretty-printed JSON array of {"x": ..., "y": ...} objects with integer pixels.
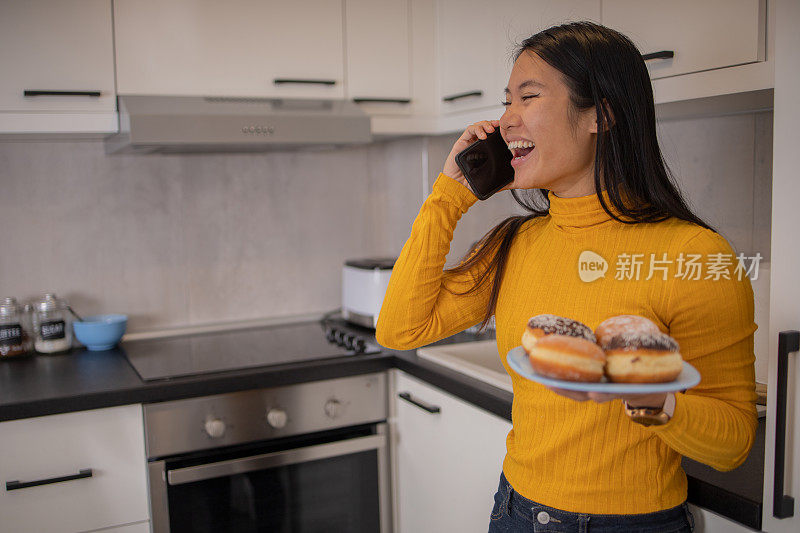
[{"x": 487, "y": 165}]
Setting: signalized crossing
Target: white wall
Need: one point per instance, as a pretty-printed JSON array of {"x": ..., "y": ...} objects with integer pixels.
[{"x": 191, "y": 239}]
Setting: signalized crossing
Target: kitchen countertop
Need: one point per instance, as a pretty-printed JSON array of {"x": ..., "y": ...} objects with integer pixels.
[{"x": 82, "y": 380}]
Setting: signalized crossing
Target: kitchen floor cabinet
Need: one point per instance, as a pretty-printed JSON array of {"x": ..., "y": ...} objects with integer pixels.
[
  {"x": 230, "y": 49},
  {"x": 101, "y": 450},
  {"x": 447, "y": 463},
  {"x": 57, "y": 60},
  {"x": 708, "y": 522}
]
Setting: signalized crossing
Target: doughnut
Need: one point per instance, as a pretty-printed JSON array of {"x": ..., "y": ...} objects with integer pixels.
[
  {"x": 636, "y": 357},
  {"x": 568, "y": 358},
  {"x": 542, "y": 325},
  {"x": 619, "y": 324}
]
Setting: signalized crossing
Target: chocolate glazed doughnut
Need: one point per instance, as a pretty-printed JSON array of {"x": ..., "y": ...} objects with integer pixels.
[
  {"x": 543, "y": 325},
  {"x": 642, "y": 358}
]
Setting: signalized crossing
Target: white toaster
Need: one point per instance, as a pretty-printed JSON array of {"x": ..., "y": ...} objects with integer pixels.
[{"x": 364, "y": 283}]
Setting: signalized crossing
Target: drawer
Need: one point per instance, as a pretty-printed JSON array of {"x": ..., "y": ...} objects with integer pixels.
[{"x": 110, "y": 442}]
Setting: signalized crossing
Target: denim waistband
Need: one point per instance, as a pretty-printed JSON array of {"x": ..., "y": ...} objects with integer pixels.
[{"x": 549, "y": 519}]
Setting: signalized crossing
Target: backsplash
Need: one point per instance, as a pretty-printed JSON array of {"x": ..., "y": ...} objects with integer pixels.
[{"x": 177, "y": 240}]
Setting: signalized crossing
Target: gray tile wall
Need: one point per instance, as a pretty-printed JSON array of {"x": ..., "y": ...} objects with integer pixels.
[{"x": 192, "y": 239}]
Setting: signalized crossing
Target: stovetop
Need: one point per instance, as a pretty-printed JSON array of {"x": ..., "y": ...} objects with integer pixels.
[{"x": 246, "y": 348}]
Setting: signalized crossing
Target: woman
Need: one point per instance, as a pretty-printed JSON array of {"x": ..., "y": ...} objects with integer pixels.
[{"x": 581, "y": 94}]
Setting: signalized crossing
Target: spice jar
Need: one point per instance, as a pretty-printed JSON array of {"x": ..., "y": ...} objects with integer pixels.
[
  {"x": 14, "y": 329},
  {"x": 52, "y": 325}
]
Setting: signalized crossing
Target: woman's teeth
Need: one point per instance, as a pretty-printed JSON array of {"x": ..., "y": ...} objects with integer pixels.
[{"x": 520, "y": 149}]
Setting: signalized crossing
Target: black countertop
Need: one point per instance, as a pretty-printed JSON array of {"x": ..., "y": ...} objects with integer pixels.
[{"x": 82, "y": 380}]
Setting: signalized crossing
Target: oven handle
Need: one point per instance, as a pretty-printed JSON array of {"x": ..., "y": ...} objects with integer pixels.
[{"x": 272, "y": 460}]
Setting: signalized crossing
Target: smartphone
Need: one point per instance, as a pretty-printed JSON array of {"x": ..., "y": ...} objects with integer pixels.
[{"x": 487, "y": 165}]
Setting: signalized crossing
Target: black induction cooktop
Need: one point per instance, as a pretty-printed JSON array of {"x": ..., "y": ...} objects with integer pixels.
[{"x": 245, "y": 348}]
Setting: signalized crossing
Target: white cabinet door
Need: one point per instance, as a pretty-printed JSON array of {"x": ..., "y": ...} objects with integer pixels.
[
  {"x": 378, "y": 54},
  {"x": 63, "y": 46},
  {"x": 109, "y": 442},
  {"x": 708, "y": 522},
  {"x": 237, "y": 48},
  {"x": 467, "y": 55},
  {"x": 519, "y": 19},
  {"x": 448, "y": 463},
  {"x": 702, "y": 35},
  {"x": 138, "y": 527}
]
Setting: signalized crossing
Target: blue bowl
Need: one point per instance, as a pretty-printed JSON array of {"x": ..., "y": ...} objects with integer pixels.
[{"x": 100, "y": 332}]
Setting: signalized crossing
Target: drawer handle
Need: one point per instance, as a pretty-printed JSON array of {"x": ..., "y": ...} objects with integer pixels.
[
  {"x": 382, "y": 100},
  {"x": 16, "y": 485},
  {"x": 782, "y": 505},
  {"x": 459, "y": 96},
  {"x": 94, "y": 94},
  {"x": 664, "y": 54},
  {"x": 279, "y": 81},
  {"x": 434, "y": 409}
]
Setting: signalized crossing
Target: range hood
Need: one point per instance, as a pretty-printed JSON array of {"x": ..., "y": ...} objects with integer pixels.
[{"x": 189, "y": 124}]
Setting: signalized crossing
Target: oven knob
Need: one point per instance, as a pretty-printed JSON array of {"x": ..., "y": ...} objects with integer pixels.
[
  {"x": 276, "y": 418},
  {"x": 330, "y": 334},
  {"x": 348, "y": 341},
  {"x": 215, "y": 428},
  {"x": 333, "y": 408}
]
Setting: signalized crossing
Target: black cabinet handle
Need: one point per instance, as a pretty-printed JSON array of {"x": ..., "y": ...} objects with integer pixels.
[
  {"x": 16, "y": 485},
  {"x": 782, "y": 505},
  {"x": 93, "y": 94},
  {"x": 459, "y": 96},
  {"x": 664, "y": 54},
  {"x": 280, "y": 81},
  {"x": 382, "y": 100},
  {"x": 422, "y": 405}
]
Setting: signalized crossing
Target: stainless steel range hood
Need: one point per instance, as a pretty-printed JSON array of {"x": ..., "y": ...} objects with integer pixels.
[{"x": 187, "y": 124}]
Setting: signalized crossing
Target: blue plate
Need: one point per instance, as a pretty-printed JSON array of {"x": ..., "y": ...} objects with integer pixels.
[{"x": 518, "y": 360}]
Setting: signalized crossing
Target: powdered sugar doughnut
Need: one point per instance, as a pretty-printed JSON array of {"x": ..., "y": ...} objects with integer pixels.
[
  {"x": 542, "y": 325},
  {"x": 628, "y": 324}
]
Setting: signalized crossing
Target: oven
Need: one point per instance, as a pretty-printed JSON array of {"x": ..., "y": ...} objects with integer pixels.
[{"x": 310, "y": 457}]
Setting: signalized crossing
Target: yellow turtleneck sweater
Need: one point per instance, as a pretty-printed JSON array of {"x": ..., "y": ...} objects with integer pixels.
[{"x": 584, "y": 456}]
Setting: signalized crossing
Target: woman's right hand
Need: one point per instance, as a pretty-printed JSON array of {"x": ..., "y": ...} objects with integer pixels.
[{"x": 476, "y": 131}]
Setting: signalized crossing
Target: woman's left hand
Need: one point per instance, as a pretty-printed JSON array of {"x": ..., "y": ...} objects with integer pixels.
[{"x": 656, "y": 401}]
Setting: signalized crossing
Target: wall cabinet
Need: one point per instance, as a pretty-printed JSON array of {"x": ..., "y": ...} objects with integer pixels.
[
  {"x": 102, "y": 448},
  {"x": 231, "y": 49},
  {"x": 702, "y": 35},
  {"x": 448, "y": 463},
  {"x": 378, "y": 52},
  {"x": 63, "y": 51}
]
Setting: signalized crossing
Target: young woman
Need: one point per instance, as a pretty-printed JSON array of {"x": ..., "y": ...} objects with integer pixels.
[{"x": 580, "y": 120}]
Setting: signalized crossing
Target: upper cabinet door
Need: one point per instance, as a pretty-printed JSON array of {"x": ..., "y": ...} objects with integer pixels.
[
  {"x": 56, "y": 47},
  {"x": 519, "y": 19},
  {"x": 378, "y": 53},
  {"x": 240, "y": 48},
  {"x": 702, "y": 35},
  {"x": 467, "y": 58}
]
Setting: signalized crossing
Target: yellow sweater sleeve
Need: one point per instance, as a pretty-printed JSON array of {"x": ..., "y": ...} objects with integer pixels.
[
  {"x": 420, "y": 305},
  {"x": 712, "y": 320}
]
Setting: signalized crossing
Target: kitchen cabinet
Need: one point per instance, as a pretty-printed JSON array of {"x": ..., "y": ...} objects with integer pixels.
[
  {"x": 378, "y": 51},
  {"x": 708, "y": 522},
  {"x": 57, "y": 61},
  {"x": 781, "y": 512},
  {"x": 239, "y": 48},
  {"x": 103, "y": 449},
  {"x": 444, "y": 461},
  {"x": 702, "y": 35}
]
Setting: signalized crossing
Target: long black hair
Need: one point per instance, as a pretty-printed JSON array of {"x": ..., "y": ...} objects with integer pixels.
[{"x": 604, "y": 70}]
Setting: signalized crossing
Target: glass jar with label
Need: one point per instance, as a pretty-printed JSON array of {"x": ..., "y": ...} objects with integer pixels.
[
  {"x": 52, "y": 325},
  {"x": 15, "y": 339}
]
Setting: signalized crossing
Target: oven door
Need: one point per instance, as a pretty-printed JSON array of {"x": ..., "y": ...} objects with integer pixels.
[{"x": 307, "y": 485}]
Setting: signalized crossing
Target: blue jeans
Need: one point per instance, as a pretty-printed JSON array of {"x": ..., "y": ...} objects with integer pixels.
[{"x": 513, "y": 513}]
